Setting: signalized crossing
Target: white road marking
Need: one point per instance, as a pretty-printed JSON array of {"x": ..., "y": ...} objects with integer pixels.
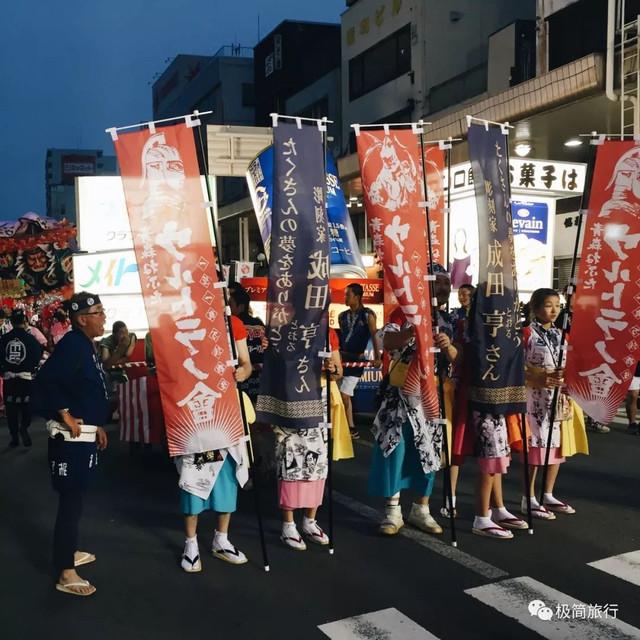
[
  {"x": 468, "y": 561},
  {"x": 387, "y": 624},
  {"x": 512, "y": 598},
  {"x": 625, "y": 566}
]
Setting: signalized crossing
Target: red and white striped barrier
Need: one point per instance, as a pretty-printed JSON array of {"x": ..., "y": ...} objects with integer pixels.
[{"x": 140, "y": 411}]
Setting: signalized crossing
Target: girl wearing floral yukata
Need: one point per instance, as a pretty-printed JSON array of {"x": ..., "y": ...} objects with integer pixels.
[
  {"x": 302, "y": 465},
  {"x": 408, "y": 446},
  {"x": 544, "y": 371}
]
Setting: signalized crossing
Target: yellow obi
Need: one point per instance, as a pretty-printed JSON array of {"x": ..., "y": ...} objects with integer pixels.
[
  {"x": 574, "y": 433},
  {"x": 342, "y": 443}
]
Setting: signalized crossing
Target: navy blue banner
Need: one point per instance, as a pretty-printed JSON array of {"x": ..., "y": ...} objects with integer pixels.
[
  {"x": 345, "y": 253},
  {"x": 497, "y": 354},
  {"x": 298, "y": 290}
]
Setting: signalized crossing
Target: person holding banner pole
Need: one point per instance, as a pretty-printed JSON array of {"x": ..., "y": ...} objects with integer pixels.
[
  {"x": 544, "y": 376},
  {"x": 230, "y": 324},
  {"x": 407, "y": 445},
  {"x": 209, "y": 481},
  {"x": 437, "y": 303},
  {"x": 302, "y": 459}
]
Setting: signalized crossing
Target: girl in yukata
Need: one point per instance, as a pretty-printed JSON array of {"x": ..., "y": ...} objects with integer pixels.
[
  {"x": 302, "y": 465},
  {"x": 408, "y": 446},
  {"x": 544, "y": 371},
  {"x": 209, "y": 481},
  {"x": 487, "y": 438}
]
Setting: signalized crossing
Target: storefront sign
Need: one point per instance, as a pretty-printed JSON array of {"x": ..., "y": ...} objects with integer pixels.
[
  {"x": 532, "y": 240},
  {"x": 257, "y": 289},
  {"x": 539, "y": 176},
  {"x": 111, "y": 272}
]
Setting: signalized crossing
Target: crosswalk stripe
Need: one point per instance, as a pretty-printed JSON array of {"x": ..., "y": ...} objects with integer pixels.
[
  {"x": 626, "y": 566},
  {"x": 512, "y": 598},
  {"x": 387, "y": 624}
]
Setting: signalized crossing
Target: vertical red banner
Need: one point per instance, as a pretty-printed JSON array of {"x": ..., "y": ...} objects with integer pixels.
[
  {"x": 434, "y": 171},
  {"x": 605, "y": 331},
  {"x": 184, "y": 306},
  {"x": 392, "y": 185}
]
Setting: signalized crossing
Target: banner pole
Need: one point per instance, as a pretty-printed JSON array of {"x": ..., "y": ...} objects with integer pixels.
[
  {"x": 434, "y": 324},
  {"x": 526, "y": 474},
  {"x": 448, "y": 225},
  {"x": 327, "y": 373},
  {"x": 446, "y": 266},
  {"x": 584, "y": 201},
  {"x": 252, "y": 472}
]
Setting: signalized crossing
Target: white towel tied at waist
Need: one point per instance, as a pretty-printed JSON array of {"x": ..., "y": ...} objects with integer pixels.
[
  {"x": 23, "y": 375},
  {"x": 87, "y": 431}
]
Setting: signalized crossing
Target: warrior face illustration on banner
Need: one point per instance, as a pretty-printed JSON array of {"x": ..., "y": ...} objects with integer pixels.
[
  {"x": 162, "y": 175},
  {"x": 625, "y": 181},
  {"x": 398, "y": 177},
  {"x": 162, "y": 164}
]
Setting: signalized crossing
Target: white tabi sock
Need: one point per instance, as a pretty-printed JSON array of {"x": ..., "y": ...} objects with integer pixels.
[
  {"x": 220, "y": 539},
  {"x": 549, "y": 499},
  {"x": 480, "y": 522},
  {"x": 191, "y": 546},
  {"x": 308, "y": 522},
  {"x": 501, "y": 513},
  {"x": 289, "y": 528},
  {"x": 534, "y": 501},
  {"x": 423, "y": 508}
]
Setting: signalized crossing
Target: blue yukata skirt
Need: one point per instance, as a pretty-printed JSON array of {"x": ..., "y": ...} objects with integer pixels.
[
  {"x": 400, "y": 470},
  {"x": 223, "y": 496}
]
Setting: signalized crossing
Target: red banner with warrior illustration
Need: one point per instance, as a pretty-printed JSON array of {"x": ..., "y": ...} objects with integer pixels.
[
  {"x": 605, "y": 332},
  {"x": 177, "y": 270},
  {"x": 392, "y": 187},
  {"x": 434, "y": 169}
]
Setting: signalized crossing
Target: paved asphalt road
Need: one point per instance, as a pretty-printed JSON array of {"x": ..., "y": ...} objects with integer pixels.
[{"x": 420, "y": 585}]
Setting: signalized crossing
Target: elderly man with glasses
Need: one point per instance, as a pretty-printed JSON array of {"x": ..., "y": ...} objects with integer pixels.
[{"x": 71, "y": 394}]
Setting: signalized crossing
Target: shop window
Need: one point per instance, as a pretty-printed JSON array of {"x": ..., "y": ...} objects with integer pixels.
[{"x": 230, "y": 239}]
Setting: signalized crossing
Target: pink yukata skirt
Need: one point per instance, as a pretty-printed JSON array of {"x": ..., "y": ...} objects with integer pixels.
[
  {"x": 300, "y": 494},
  {"x": 537, "y": 455}
]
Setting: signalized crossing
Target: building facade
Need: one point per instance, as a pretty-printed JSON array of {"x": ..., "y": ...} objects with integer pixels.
[
  {"x": 293, "y": 56},
  {"x": 221, "y": 83},
  {"x": 62, "y": 167},
  {"x": 402, "y": 59},
  {"x": 296, "y": 73},
  {"x": 563, "y": 83}
]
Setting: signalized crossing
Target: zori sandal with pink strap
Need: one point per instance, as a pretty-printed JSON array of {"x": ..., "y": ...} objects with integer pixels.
[{"x": 493, "y": 532}]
